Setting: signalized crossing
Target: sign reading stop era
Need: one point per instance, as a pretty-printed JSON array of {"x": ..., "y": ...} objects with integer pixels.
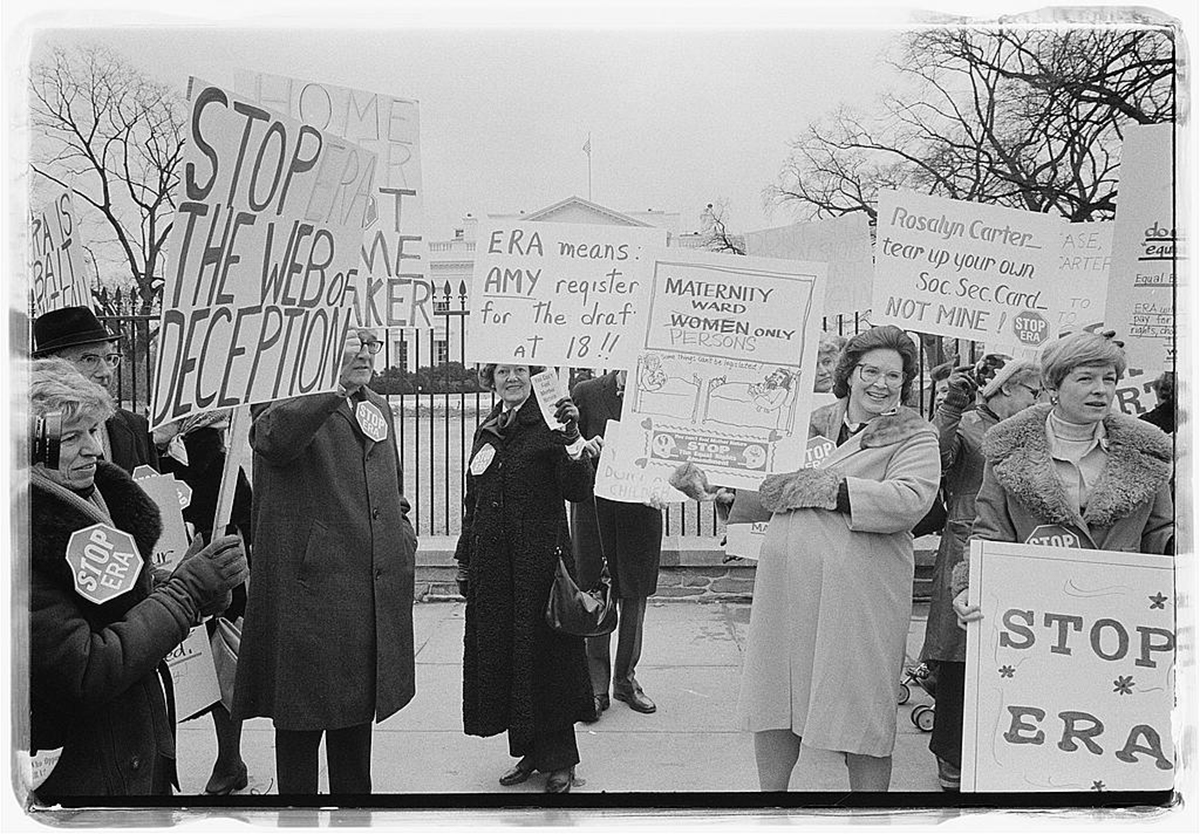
[
  {"x": 104, "y": 561},
  {"x": 1031, "y": 328},
  {"x": 1054, "y": 535}
]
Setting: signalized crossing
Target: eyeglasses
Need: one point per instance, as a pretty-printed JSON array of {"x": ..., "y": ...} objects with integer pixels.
[
  {"x": 1037, "y": 392},
  {"x": 91, "y": 361},
  {"x": 870, "y": 375},
  {"x": 373, "y": 346}
]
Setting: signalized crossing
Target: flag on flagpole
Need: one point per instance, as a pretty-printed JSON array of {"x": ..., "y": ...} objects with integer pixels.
[{"x": 587, "y": 146}]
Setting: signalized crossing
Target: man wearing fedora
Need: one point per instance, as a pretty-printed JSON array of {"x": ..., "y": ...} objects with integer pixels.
[{"x": 75, "y": 334}]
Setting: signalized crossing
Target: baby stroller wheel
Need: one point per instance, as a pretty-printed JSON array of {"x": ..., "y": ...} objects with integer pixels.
[
  {"x": 905, "y": 694},
  {"x": 922, "y": 717}
]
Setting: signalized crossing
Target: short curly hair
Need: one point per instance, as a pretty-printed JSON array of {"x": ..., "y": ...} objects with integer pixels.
[
  {"x": 1077, "y": 350},
  {"x": 56, "y": 385},
  {"x": 886, "y": 337},
  {"x": 487, "y": 373}
]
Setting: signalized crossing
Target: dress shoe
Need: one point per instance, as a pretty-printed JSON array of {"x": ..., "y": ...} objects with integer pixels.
[
  {"x": 223, "y": 785},
  {"x": 599, "y": 704},
  {"x": 560, "y": 781},
  {"x": 520, "y": 772},
  {"x": 637, "y": 700}
]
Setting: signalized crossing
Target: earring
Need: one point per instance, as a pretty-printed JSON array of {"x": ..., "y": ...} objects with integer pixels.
[{"x": 1054, "y": 399}]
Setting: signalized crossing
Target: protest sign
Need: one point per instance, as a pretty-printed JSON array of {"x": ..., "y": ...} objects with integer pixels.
[
  {"x": 635, "y": 486},
  {"x": 264, "y": 256},
  {"x": 748, "y": 519},
  {"x": 558, "y": 293},
  {"x": 549, "y": 388},
  {"x": 965, "y": 270},
  {"x": 1070, "y": 673},
  {"x": 165, "y": 492},
  {"x": 193, "y": 674},
  {"x": 394, "y": 289},
  {"x": 844, "y": 243},
  {"x": 1144, "y": 276},
  {"x": 56, "y": 255},
  {"x": 724, "y": 375}
]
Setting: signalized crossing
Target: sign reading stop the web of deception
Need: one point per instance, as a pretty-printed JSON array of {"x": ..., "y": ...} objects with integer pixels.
[
  {"x": 104, "y": 561},
  {"x": 1070, "y": 672}
]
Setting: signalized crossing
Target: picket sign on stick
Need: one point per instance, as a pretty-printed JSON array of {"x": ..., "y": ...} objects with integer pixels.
[{"x": 239, "y": 439}]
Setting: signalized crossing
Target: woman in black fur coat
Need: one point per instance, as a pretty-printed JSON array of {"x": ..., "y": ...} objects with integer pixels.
[
  {"x": 520, "y": 676},
  {"x": 97, "y": 675}
]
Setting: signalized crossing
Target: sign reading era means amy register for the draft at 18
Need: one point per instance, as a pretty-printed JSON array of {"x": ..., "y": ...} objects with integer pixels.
[
  {"x": 966, "y": 270},
  {"x": 394, "y": 285},
  {"x": 1070, "y": 672},
  {"x": 558, "y": 294},
  {"x": 264, "y": 258}
]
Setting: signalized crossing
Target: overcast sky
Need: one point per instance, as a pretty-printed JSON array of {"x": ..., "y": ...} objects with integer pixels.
[{"x": 678, "y": 118}]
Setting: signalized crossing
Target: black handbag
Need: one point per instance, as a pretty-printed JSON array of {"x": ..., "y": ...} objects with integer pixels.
[{"x": 569, "y": 610}]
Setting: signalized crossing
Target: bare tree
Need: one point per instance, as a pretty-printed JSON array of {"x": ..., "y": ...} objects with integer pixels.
[
  {"x": 115, "y": 136},
  {"x": 717, "y": 237},
  {"x": 1028, "y": 117}
]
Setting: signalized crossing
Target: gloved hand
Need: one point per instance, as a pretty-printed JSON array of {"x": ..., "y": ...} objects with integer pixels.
[
  {"x": 960, "y": 391},
  {"x": 567, "y": 413},
  {"x": 210, "y": 574},
  {"x": 463, "y": 578}
]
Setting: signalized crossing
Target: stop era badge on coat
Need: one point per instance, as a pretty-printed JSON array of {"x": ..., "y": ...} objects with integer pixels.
[
  {"x": 482, "y": 459},
  {"x": 104, "y": 561},
  {"x": 371, "y": 421}
]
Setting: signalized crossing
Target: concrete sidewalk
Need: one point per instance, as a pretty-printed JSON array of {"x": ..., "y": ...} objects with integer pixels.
[{"x": 690, "y": 667}]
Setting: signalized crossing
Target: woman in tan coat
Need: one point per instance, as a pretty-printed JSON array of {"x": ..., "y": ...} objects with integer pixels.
[{"x": 833, "y": 589}]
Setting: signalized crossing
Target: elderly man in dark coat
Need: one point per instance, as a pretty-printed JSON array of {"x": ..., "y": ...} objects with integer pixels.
[
  {"x": 629, "y": 537},
  {"x": 328, "y": 639},
  {"x": 75, "y": 334}
]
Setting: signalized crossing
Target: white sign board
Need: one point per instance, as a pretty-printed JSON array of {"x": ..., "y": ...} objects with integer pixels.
[
  {"x": 558, "y": 293},
  {"x": 394, "y": 288},
  {"x": 635, "y": 486},
  {"x": 966, "y": 270},
  {"x": 1144, "y": 273},
  {"x": 1070, "y": 673},
  {"x": 844, "y": 243},
  {"x": 724, "y": 375},
  {"x": 165, "y": 491},
  {"x": 193, "y": 674},
  {"x": 549, "y": 388},
  {"x": 56, "y": 276},
  {"x": 264, "y": 258}
]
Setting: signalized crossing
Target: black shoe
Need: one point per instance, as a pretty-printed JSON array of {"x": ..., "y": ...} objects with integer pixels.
[
  {"x": 560, "y": 781},
  {"x": 520, "y": 772},
  {"x": 225, "y": 785},
  {"x": 599, "y": 704},
  {"x": 637, "y": 700}
]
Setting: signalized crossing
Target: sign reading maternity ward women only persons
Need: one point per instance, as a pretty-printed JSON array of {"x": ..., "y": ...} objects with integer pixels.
[
  {"x": 724, "y": 373},
  {"x": 394, "y": 289},
  {"x": 56, "y": 276},
  {"x": 1070, "y": 673},
  {"x": 264, "y": 256},
  {"x": 558, "y": 294},
  {"x": 966, "y": 270}
]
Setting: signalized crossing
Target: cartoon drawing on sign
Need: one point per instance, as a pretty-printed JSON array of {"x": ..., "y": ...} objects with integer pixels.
[
  {"x": 773, "y": 400},
  {"x": 667, "y": 394}
]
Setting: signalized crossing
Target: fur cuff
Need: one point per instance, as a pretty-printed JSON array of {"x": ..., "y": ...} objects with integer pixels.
[
  {"x": 802, "y": 488},
  {"x": 959, "y": 577}
]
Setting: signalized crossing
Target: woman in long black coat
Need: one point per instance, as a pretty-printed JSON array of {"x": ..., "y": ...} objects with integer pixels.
[{"x": 520, "y": 676}]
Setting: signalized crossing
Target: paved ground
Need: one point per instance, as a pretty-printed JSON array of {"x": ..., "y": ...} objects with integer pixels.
[{"x": 690, "y": 667}]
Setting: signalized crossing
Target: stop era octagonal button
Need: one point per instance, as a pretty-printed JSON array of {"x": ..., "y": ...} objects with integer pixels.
[
  {"x": 104, "y": 561},
  {"x": 1054, "y": 535},
  {"x": 1031, "y": 328}
]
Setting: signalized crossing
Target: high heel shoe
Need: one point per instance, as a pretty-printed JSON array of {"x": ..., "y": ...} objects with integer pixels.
[
  {"x": 520, "y": 772},
  {"x": 560, "y": 781},
  {"x": 225, "y": 785}
]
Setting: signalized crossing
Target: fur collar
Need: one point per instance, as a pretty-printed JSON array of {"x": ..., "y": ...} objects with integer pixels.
[
  {"x": 1139, "y": 463},
  {"x": 882, "y": 431}
]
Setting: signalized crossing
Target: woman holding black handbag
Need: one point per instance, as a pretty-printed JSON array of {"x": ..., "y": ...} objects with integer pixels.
[{"x": 519, "y": 675}]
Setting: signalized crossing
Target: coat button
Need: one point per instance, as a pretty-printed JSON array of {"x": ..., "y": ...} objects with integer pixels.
[
  {"x": 495, "y": 503},
  {"x": 135, "y": 763},
  {"x": 378, "y": 572},
  {"x": 375, "y": 512}
]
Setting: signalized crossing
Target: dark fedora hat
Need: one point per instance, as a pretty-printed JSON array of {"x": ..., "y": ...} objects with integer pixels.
[{"x": 67, "y": 327}]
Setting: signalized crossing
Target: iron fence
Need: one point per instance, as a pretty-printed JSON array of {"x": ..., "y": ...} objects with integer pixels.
[{"x": 434, "y": 428}]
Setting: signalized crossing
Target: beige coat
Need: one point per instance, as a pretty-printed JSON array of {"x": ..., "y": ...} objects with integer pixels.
[{"x": 833, "y": 592}]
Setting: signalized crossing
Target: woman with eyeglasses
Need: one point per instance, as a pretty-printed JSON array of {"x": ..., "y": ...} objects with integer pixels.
[
  {"x": 1075, "y": 463},
  {"x": 1006, "y": 387},
  {"x": 327, "y": 646},
  {"x": 833, "y": 590}
]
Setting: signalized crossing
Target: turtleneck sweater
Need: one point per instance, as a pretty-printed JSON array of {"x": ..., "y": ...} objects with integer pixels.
[{"x": 1079, "y": 452}]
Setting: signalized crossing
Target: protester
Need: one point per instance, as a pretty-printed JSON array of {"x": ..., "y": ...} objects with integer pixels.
[
  {"x": 939, "y": 377},
  {"x": 328, "y": 641},
  {"x": 1163, "y": 414},
  {"x": 519, "y": 675},
  {"x": 1075, "y": 463},
  {"x": 193, "y": 450},
  {"x": 829, "y": 347},
  {"x": 1006, "y": 390},
  {"x": 626, "y": 536},
  {"x": 75, "y": 334},
  {"x": 95, "y": 688}
]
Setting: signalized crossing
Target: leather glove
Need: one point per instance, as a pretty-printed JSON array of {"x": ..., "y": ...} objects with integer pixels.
[
  {"x": 210, "y": 574},
  {"x": 567, "y": 413},
  {"x": 463, "y": 578},
  {"x": 960, "y": 391}
]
